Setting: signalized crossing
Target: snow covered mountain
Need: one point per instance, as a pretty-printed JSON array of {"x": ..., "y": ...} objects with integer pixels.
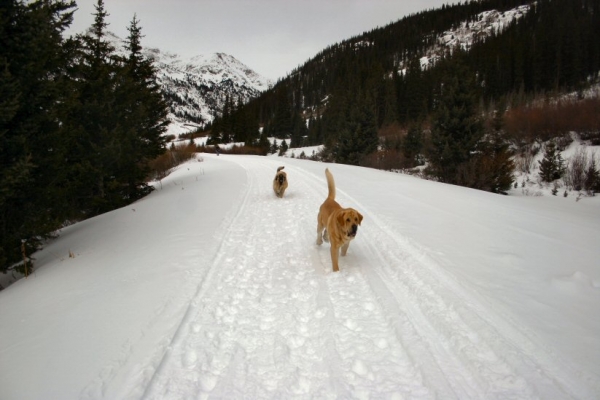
[
  {"x": 467, "y": 33},
  {"x": 197, "y": 87}
]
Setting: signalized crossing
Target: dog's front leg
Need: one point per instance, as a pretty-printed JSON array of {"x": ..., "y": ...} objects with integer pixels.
[
  {"x": 335, "y": 251},
  {"x": 345, "y": 248}
]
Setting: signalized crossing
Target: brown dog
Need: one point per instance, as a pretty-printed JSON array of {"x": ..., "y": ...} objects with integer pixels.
[
  {"x": 280, "y": 183},
  {"x": 335, "y": 224}
]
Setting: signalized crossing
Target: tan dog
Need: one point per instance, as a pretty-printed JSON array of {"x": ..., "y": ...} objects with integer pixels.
[
  {"x": 340, "y": 225},
  {"x": 280, "y": 183}
]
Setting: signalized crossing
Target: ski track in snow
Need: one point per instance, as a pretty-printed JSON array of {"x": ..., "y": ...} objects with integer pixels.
[{"x": 391, "y": 324}]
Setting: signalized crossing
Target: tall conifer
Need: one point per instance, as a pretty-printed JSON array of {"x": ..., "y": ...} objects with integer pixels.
[
  {"x": 456, "y": 126},
  {"x": 32, "y": 92},
  {"x": 142, "y": 115}
]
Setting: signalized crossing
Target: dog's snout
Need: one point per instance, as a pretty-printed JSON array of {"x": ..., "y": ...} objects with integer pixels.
[{"x": 354, "y": 228}]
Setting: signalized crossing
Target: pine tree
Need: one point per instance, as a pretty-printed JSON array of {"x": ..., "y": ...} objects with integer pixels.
[
  {"x": 283, "y": 148},
  {"x": 274, "y": 147},
  {"x": 263, "y": 143},
  {"x": 592, "y": 177},
  {"x": 359, "y": 136},
  {"x": 491, "y": 168},
  {"x": 32, "y": 92},
  {"x": 142, "y": 116},
  {"x": 282, "y": 123},
  {"x": 299, "y": 131},
  {"x": 413, "y": 144},
  {"x": 93, "y": 125},
  {"x": 552, "y": 165},
  {"x": 456, "y": 126},
  {"x": 227, "y": 121}
]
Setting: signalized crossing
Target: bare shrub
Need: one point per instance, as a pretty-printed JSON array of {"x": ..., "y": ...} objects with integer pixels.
[
  {"x": 487, "y": 171},
  {"x": 524, "y": 159},
  {"x": 576, "y": 170},
  {"x": 552, "y": 120},
  {"x": 241, "y": 149},
  {"x": 387, "y": 160},
  {"x": 582, "y": 172},
  {"x": 175, "y": 155},
  {"x": 392, "y": 131}
]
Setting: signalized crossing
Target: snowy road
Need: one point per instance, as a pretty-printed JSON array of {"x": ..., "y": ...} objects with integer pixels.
[
  {"x": 214, "y": 288},
  {"x": 272, "y": 321}
]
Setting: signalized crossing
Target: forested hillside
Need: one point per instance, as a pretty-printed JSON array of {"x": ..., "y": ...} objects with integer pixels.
[{"x": 376, "y": 84}]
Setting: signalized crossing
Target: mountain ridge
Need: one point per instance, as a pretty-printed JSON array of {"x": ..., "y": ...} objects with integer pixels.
[{"x": 197, "y": 87}]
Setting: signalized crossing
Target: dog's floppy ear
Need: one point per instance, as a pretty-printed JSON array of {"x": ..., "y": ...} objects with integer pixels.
[
  {"x": 341, "y": 218},
  {"x": 360, "y": 217}
]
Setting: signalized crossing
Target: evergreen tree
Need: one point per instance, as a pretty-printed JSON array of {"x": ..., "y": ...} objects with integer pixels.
[
  {"x": 592, "y": 177},
  {"x": 142, "y": 115},
  {"x": 413, "y": 144},
  {"x": 93, "y": 125},
  {"x": 456, "y": 126},
  {"x": 283, "y": 148},
  {"x": 491, "y": 168},
  {"x": 552, "y": 165},
  {"x": 226, "y": 135},
  {"x": 359, "y": 136},
  {"x": 263, "y": 143},
  {"x": 315, "y": 135},
  {"x": 299, "y": 131},
  {"x": 282, "y": 121},
  {"x": 33, "y": 90},
  {"x": 274, "y": 147}
]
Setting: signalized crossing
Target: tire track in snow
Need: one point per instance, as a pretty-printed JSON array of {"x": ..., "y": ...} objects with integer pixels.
[
  {"x": 375, "y": 359},
  {"x": 287, "y": 329},
  {"x": 464, "y": 350},
  {"x": 193, "y": 305},
  {"x": 479, "y": 354},
  {"x": 391, "y": 323},
  {"x": 243, "y": 299}
]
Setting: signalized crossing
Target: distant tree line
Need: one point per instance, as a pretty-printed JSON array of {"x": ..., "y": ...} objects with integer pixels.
[
  {"x": 78, "y": 123},
  {"x": 352, "y": 94}
]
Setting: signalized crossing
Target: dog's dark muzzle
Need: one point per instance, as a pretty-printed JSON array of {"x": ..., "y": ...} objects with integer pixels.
[
  {"x": 353, "y": 230},
  {"x": 281, "y": 179}
]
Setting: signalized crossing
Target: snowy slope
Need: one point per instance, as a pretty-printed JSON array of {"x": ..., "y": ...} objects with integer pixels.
[
  {"x": 197, "y": 88},
  {"x": 463, "y": 36},
  {"x": 201, "y": 85},
  {"x": 211, "y": 287}
]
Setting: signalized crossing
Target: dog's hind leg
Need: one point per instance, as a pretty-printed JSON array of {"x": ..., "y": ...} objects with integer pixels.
[{"x": 319, "y": 234}]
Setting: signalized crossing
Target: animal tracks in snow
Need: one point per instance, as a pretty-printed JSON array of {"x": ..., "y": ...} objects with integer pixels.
[{"x": 390, "y": 324}]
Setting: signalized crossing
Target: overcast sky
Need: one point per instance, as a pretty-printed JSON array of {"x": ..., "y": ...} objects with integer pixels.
[{"x": 272, "y": 37}]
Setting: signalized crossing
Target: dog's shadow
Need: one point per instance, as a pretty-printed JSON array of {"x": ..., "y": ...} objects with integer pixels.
[{"x": 286, "y": 196}]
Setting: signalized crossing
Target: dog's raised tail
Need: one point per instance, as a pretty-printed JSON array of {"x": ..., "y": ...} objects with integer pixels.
[
  {"x": 280, "y": 168},
  {"x": 330, "y": 184}
]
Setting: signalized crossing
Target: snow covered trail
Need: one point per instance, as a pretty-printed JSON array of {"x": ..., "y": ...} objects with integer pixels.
[
  {"x": 212, "y": 287},
  {"x": 390, "y": 325}
]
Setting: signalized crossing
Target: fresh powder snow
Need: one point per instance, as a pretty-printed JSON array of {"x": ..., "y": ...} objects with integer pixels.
[{"x": 212, "y": 287}]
